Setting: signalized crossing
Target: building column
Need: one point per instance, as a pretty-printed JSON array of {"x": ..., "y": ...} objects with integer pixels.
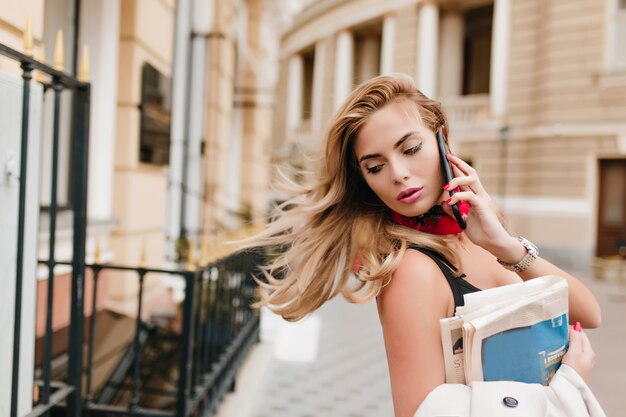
[
  {"x": 180, "y": 74},
  {"x": 500, "y": 44},
  {"x": 201, "y": 26},
  {"x": 389, "y": 41},
  {"x": 451, "y": 56},
  {"x": 257, "y": 125},
  {"x": 344, "y": 67},
  {"x": 233, "y": 155},
  {"x": 318, "y": 86},
  {"x": 428, "y": 44},
  {"x": 295, "y": 80},
  {"x": 100, "y": 22}
]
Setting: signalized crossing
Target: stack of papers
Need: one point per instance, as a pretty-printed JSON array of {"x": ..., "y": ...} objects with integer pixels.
[{"x": 516, "y": 332}]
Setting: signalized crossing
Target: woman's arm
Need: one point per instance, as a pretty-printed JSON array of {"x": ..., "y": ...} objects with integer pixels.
[
  {"x": 583, "y": 306},
  {"x": 410, "y": 307},
  {"x": 485, "y": 230}
]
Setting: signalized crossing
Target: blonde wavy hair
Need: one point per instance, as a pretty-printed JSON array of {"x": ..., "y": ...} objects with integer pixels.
[{"x": 317, "y": 235}]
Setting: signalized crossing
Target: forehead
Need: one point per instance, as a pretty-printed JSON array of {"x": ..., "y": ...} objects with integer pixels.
[{"x": 388, "y": 124}]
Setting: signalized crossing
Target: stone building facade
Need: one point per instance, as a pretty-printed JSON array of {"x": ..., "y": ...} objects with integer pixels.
[
  {"x": 535, "y": 93},
  {"x": 181, "y": 111}
]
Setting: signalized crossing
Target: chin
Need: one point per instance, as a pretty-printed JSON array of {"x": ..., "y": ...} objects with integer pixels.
[
  {"x": 408, "y": 212},
  {"x": 418, "y": 208}
]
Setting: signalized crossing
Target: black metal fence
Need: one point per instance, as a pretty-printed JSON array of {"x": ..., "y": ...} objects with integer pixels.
[
  {"x": 217, "y": 329},
  {"x": 59, "y": 82},
  {"x": 217, "y": 326}
]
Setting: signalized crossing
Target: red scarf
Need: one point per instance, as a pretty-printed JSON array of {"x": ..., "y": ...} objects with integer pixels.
[{"x": 435, "y": 221}]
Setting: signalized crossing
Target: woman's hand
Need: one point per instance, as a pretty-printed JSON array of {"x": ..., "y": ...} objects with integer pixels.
[
  {"x": 485, "y": 230},
  {"x": 580, "y": 355},
  {"x": 483, "y": 224}
]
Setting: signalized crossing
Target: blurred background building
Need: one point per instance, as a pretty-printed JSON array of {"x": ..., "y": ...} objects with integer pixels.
[
  {"x": 535, "y": 93},
  {"x": 194, "y": 101},
  {"x": 180, "y": 128}
]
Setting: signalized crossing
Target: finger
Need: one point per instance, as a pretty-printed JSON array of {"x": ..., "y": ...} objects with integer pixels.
[
  {"x": 464, "y": 183},
  {"x": 461, "y": 164},
  {"x": 447, "y": 209},
  {"x": 456, "y": 172},
  {"x": 575, "y": 341},
  {"x": 468, "y": 196},
  {"x": 467, "y": 182},
  {"x": 586, "y": 344}
]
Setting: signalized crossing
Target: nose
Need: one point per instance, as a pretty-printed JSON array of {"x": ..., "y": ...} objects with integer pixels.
[{"x": 399, "y": 172}]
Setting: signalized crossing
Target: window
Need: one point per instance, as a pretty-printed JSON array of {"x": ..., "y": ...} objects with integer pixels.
[
  {"x": 367, "y": 44},
  {"x": 477, "y": 50},
  {"x": 154, "y": 141},
  {"x": 308, "y": 68}
]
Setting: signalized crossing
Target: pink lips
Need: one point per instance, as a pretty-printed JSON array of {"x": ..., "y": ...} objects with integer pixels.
[{"x": 409, "y": 195}]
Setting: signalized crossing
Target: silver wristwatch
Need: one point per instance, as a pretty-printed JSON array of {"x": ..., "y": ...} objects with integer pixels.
[{"x": 532, "y": 254}]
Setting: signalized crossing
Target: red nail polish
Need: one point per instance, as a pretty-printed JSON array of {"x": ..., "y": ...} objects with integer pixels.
[
  {"x": 448, "y": 201},
  {"x": 445, "y": 187},
  {"x": 577, "y": 326}
]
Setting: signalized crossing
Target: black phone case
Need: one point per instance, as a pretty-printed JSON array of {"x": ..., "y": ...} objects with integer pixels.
[{"x": 447, "y": 173}]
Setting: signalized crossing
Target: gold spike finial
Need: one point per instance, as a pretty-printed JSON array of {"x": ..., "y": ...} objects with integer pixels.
[
  {"x": 83, "y": 70},
  {"x": 97, "y": 252},
  {"x": 143, "y": 254},
  {"x": 28, "y": 38},
  {"x": 57, "y": 63}
]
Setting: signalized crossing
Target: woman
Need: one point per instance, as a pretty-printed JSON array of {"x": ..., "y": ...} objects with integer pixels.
[{"x": 381, "y": 206}]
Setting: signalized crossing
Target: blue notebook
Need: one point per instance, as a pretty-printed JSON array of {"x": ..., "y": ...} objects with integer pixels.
[{"x": 528, "y": 354}]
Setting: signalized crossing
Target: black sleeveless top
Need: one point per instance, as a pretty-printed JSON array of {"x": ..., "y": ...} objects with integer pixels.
[{"x": 458, "y": 285}]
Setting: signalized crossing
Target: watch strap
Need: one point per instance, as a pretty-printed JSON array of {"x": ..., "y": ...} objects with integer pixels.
[{"x": 531, "y": 254}]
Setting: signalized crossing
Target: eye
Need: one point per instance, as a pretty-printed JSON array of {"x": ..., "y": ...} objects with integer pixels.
[
  {"x": 413, "y": 150},
  {"x": 374, "y": 169}
]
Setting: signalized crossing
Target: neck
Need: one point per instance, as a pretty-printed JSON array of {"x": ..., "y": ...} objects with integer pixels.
[{"x": 435, "y": 221}]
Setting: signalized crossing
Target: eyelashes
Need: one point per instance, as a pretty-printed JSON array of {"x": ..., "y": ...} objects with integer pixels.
[
  {"x": 414, "y": 149},
  {"x": 408, "y": 152}
]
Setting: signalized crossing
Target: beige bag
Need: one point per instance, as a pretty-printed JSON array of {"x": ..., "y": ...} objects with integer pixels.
[{"x": 566, "y": 396}]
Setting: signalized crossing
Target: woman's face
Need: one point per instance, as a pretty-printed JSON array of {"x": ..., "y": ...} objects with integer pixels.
[{"x": 399, "y": 159}]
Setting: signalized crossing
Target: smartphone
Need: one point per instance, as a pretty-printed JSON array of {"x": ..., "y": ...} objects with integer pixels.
[{"x": 447, "y": 174}]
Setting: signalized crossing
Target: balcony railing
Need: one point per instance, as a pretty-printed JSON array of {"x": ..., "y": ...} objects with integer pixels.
[
  {"x": 216, "y": 329},
  {"x": 467, "y": 111}
]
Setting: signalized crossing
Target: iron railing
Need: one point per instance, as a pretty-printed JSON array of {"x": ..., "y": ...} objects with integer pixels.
[
  {"x": 217, "y": 323},
  {"x": 218, "y": 327},
  {"x": 59, "y": 82}
]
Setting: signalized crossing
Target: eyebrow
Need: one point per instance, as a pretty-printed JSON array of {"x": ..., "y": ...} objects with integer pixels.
[{"x": 395, "y": 146}]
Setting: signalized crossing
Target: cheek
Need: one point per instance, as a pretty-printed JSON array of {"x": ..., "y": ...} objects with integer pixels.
[{"x": 434, "y": 167}]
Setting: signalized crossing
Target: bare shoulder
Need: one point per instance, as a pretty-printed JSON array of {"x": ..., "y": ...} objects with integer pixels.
[
  {"x": 410, "y": 307},
  {"x": 417, "y": 284}
]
